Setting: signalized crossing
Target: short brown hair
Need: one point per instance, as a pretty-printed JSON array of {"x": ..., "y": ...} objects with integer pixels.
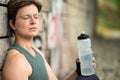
[{"x": 15, "y": 5}]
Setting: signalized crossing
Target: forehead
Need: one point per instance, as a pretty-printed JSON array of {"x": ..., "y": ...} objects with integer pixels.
[{"x": 29, "y": 9}]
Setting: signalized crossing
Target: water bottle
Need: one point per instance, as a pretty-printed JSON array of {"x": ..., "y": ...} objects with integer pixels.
[{"x": 85, "y": 54}]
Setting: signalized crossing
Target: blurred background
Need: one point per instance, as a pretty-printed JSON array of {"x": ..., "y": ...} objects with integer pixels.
[{"x": 62, "y": 21}]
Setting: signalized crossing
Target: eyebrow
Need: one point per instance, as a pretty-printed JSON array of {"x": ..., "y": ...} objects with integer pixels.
[{"x": 27, "y": 14}]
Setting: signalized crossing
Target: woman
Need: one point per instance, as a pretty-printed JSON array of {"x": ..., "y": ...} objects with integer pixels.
[{"x": 23, "y": 62}]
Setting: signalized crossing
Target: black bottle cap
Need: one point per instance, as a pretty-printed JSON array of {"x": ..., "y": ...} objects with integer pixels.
[{"x": 82, "y": 36}]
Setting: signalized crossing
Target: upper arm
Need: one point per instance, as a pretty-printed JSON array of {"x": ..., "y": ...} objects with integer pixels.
[
  {"x": 14, "y": 67},
  {"x": 51, "y": 75}
]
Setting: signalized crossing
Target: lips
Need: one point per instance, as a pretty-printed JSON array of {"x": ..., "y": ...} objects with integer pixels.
[{"x": 33, "y": 28}]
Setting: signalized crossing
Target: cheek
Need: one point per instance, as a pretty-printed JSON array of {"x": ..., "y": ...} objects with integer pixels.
[
  {"x": 21, "y": 24},
  {"x": 20, "y": 27}
]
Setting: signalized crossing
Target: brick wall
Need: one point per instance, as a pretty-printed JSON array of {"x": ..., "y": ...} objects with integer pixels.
[{"x": 4, "y": 40}]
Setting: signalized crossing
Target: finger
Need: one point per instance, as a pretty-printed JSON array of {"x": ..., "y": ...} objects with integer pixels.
[
  {"x": 93, "y": 52},
  {"x": 77, "y": 60},
  {"x": 94, "y": 65},
  {"x": 93, "y": 59}
]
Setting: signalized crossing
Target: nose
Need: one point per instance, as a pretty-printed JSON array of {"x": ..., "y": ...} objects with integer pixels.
[{"x": 32, "y": 20}]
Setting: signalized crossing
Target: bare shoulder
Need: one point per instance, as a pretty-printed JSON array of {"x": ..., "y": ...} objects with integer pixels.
[
  {"x": 15, "y": 64},
  {"x": 14, "y": 56}
]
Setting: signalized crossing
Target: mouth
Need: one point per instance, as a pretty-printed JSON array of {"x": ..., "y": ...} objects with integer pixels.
[{"x": 32, "y": 28}]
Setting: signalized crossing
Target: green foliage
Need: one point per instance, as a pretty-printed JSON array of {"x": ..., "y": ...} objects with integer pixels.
[
  {"x": 116, "y": 2},
  {"x": 110, "y": 16}
]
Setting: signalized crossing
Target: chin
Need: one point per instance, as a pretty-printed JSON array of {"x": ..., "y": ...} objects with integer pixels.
[{"x": 33, "y": 35}]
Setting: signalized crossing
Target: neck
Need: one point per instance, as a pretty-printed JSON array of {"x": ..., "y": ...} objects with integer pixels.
[{"x": 25, "y": 43}]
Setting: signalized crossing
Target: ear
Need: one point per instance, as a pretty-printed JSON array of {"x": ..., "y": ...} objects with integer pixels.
[{"x": 12, "y": 24}]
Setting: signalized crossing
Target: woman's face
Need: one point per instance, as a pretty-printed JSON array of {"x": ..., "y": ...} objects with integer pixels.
[{"x": 27, "y": 22}]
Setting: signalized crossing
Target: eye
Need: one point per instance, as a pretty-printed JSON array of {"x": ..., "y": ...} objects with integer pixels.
[
  {"x": 25, "y": 17},
  {"x": 36, "y": 16}
]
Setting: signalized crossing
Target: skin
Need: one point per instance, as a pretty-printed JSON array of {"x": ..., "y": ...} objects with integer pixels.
[
  {"x": 25, "y": 30},
  {"x": 16, "y": 67}
]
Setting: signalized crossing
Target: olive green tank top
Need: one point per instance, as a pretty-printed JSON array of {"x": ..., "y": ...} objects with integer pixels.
[{"x": 37, "y": 63}]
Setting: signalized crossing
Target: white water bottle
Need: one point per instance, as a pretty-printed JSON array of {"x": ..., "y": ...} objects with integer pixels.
[{"x": 85, "y": 54}]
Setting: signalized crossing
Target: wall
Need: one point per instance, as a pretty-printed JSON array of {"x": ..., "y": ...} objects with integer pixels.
[
  {"x": 78, "y": 17},
  {"x": 5, "y": 41}
]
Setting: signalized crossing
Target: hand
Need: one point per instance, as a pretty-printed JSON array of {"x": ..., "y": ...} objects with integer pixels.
[
  {"x": 93, "y": 59},
  {"x": 78, "y": 69}
]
